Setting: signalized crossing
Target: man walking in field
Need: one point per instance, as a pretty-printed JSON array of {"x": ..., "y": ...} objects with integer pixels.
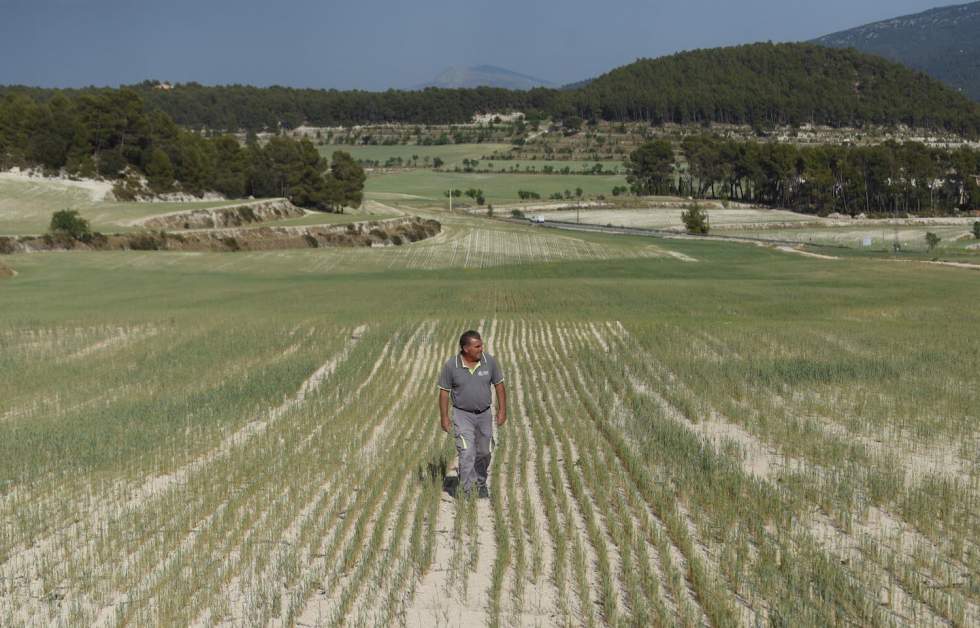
[{"x": 466, "y": 380}]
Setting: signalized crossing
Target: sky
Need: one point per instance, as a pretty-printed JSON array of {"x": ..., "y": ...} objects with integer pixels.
[{"x": 381, "y": 44}]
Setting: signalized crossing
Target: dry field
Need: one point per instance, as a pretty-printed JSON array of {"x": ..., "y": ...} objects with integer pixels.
[
  {"x": 777, "y": 224},
  {"x": 670, "y": 218},
  {"x": 251, "y": 439}
]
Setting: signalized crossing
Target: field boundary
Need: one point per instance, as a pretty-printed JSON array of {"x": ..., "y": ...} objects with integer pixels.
[{"x": 370, "y": 233}]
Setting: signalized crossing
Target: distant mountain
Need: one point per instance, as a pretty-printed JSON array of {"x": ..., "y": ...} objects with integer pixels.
[
  {"x": 484, "y": 76},
  {"x": 944, "y": 43}
]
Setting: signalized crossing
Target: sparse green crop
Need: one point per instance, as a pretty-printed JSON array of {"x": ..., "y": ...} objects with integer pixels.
[{"x": 754, "y": 438}]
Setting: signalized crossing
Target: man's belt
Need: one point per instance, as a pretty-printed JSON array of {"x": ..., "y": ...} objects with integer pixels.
[{"x": 473, "y": 411}]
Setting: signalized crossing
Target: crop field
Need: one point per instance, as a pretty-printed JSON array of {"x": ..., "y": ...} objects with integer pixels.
[
  {"x": 252, "y": 438},
  {"x": 426, "y": 187},
  {"x": 451, "y": 154}
]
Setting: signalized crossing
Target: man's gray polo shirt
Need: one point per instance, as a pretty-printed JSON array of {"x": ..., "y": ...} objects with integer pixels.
[{"x": 470, "y": 388}]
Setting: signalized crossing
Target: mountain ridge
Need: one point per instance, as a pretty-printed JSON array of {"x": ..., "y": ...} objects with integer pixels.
[
  {"x": 461, "y": 76},
  {"x": 943, "y": 42}
]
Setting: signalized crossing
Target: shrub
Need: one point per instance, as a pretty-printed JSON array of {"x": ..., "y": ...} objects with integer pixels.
[
  {"x": 976, "y": 229},
  {"x": 231, "y": 244},
  {"x": 311, "y": 241},
  {"x": 695, "y": 220},
  {"x": 516, "y": 213},
  {"x": 932, "y": 240},
  {"x": 67, "y": 222},
  {"x": 127, "y": 189},
  {"x": 145, "y": 242}
]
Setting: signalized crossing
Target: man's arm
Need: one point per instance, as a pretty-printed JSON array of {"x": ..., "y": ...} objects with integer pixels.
[
  {"x": 501, "y": 404},
  {"x": 444, "y": 409}
]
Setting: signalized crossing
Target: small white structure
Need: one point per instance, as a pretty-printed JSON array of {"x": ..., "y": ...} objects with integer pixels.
[
  {"x": 489, "y": 118},
  {"x": 537, "y": 218}
]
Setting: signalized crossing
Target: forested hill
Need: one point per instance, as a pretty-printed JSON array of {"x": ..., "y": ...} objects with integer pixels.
[
  {"x": 758, "y": 84},
  {"x": 943, "y": 42},
  {"x": 778, "y": 84}
]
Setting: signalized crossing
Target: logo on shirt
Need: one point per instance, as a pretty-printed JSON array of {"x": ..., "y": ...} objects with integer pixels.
[{"x": 482, "y": 373}]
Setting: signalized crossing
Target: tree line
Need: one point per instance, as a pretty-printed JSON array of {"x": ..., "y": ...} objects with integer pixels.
[
  {"x": 115, "y": 135},
  {"x": 758, "y": 84},
  {"x": 884, "y": 179}
]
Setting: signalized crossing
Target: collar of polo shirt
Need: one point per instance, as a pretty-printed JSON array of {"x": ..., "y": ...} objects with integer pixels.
[{"x": 460, "y": 362}]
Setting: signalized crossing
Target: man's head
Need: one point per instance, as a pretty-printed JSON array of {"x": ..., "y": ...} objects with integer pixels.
[{"x": 471, "y": 345}]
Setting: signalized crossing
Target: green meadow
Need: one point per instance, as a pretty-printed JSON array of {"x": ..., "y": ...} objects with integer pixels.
[{"x": 423, "y": 188}]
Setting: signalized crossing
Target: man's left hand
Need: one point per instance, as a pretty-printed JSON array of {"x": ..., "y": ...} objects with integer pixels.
[{"x": 501, "y": 418}]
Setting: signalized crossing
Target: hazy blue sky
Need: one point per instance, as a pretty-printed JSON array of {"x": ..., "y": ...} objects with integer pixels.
[{"x": 376, "y": 44}]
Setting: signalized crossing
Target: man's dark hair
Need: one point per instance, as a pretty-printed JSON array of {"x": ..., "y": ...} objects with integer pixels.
[{"x": 467, "y": 336}]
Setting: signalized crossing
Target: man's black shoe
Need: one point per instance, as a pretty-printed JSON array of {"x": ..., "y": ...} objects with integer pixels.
[{"x": 483, "y": 492}]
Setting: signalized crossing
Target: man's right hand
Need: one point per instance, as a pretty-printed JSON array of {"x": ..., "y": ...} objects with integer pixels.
[{"x": 445, "y": 424}]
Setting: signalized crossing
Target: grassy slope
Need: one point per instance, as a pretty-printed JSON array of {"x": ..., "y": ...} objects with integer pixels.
[{"x": 26, "y": 208}]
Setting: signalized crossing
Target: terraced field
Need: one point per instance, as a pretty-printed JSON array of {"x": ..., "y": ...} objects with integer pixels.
[
  {"x": 251, "y": 438},
  {"x": 26, "y": 204}
]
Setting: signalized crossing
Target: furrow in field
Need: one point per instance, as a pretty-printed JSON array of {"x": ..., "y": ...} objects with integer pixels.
[
  {"x": 157, "y": 485},
  {"x": 607, "y": 545},
  {"x": 333, "y": 598},
  {"x": 545, "y": 466},
  {"x": 136, "y": 559},
  {"x": 258, "y": 426},
  {"x": 672, "y": 560},
  {"x": 554, "y": 425},
  {"x": 761, "y": 460},
  {"x": 321, "y": 508}
]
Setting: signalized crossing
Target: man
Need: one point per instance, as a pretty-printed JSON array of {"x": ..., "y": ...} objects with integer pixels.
[{"x": 466, "y": 380}]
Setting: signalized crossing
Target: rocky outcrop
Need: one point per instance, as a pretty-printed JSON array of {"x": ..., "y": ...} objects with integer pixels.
[
  {"x": 248, "y": 213},
  {"x": 6, "y": 272}
]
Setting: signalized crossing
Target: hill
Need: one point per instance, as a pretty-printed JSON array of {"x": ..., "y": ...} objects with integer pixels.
[
  {"x": 944, "y": 43},
  {"x": 484, "y": 76},
  {"x": 766, "y": 83}
]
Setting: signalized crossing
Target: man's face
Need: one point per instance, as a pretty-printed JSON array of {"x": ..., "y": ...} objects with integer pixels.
[{"x": 474, "y": 350}]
